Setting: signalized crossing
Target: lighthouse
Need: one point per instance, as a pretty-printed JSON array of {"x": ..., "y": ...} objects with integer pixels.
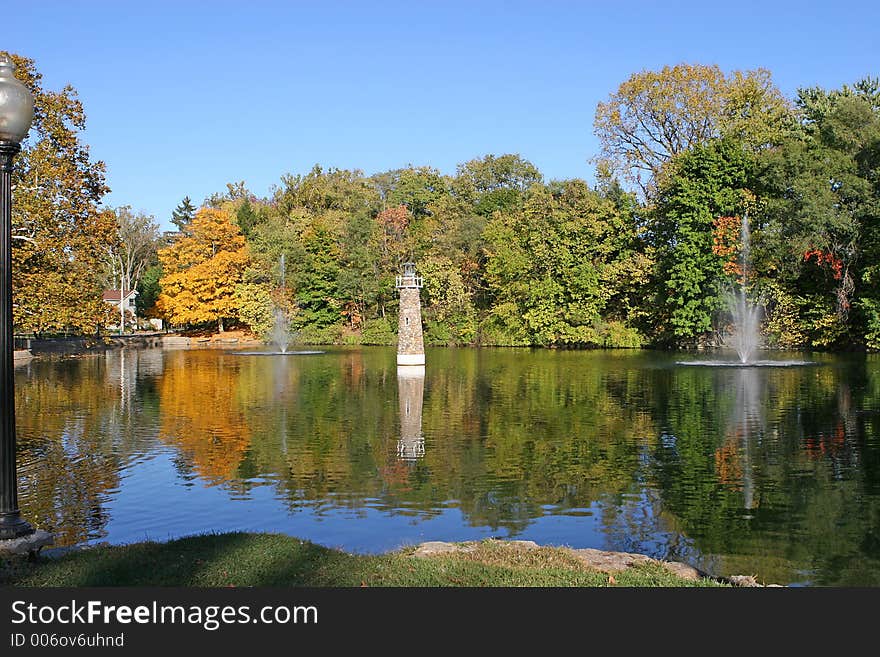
[{"x": 410, "y": 346}]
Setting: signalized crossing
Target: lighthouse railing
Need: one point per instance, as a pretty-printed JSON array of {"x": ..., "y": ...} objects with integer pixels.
[{"x": 409, "y": 281}]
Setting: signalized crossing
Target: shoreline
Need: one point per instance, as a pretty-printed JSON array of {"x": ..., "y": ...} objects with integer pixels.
[
  {"x": 210, "y": 559},
  {"x": 78, "y": 345}
]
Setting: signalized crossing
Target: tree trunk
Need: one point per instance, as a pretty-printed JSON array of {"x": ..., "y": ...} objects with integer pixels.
[{"x": 220, "y": 324}]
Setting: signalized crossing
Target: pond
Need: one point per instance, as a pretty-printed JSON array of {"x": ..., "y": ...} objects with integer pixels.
[{"x": 773, "y": 472}]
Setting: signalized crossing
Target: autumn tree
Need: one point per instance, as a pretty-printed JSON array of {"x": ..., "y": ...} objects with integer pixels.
[
  {"x": 60, "y": 235},
  {"x": 655, "y": 115},
  {"x": 202, "y": 270}
]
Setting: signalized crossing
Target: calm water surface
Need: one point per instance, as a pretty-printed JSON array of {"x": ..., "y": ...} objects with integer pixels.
[{"x": 767, "y": 471}]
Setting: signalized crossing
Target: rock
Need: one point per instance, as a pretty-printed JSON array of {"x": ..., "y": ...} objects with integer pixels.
[
  {"x": 609, "y": 562},
  {"x": 433, "y": 548},
  {"x": 743, "y": 580},
  {"x": 27, "y": 545},
  {"x": 599, "y": 560},
  {"x": 683, "y": 570}
]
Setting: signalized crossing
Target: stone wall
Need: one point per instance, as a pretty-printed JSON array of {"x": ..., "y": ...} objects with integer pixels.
[{"x": 80, "y": 345}]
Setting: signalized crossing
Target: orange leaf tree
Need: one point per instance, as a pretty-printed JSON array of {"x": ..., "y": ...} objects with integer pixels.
[
  {"x": 59, "y": 233},
  {"x": 202, "y": 270}
]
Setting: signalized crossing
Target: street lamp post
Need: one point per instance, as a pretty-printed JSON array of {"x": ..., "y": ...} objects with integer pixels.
[{"x": 16, "y": 114}]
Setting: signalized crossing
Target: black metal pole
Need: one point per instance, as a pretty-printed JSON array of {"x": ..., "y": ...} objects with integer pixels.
[{"x": 12, "y": 525}]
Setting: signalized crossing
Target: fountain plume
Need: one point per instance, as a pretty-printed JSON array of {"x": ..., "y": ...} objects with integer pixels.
[
  {"x": 746, "y": 314},
  {"x": 281, "y": 330}
]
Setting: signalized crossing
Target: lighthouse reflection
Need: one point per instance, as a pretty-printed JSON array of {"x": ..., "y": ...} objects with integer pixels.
[{"x": 411, "y": 389}]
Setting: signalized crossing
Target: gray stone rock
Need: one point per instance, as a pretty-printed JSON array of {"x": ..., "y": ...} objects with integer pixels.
[
  {"x": 610, "y": 562},
  {"x": 743, "y": 580},
  {"x": 683, "y": 570},
  {"x": 599, "y": 560},
  {"x": 26, "y": 545},
  {"x": 433, "y": 548}
]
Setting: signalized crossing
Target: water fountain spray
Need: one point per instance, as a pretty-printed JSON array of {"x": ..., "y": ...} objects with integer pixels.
[{"x": 745, "y": 313}]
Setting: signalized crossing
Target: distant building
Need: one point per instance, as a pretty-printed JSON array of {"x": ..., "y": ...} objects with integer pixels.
[{"x": 127, "y": 304}]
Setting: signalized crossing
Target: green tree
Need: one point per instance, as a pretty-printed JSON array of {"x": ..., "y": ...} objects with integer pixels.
[
  {"x": 449, "y": 313},
  {"x": 493, "y": 183},
  {"x": 183, "y": 214},
  {"x": 235, "y": 192},
  {"x": 823, "y": 207},
  {"x": 246, "y": 216},
  {"x": 705, "y": 183},
  {"x": 315, "y": 280},
  {"x": 148, "y": 290},
  {"x": 335, "y": 189},
  {"x": 362, "y": 285},
  {"x": 555, "y": 266},
  {"x": 417, "y": 188}
]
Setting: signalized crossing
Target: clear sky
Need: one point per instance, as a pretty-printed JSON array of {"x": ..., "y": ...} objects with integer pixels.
[{"x": 183, "y": 97}]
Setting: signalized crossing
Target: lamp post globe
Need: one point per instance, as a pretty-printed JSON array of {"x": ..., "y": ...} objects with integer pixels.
[
  {"x": 16, "y": 104},
  {"x": 16, "y": 115}
]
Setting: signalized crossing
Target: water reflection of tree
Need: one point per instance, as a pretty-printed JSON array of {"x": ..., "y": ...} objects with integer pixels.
[
  {"x": 201, "y": 415},
  {"x": 499, "y": 443},
  {"x": 79, "y": 423},
  {"x": 679, "y": 462},
  {"x": 745, "y": 463},
  {"x": 783, "y": 479}
]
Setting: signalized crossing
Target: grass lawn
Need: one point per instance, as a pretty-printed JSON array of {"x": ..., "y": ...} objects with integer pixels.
[{"x": 239, "y": 559}]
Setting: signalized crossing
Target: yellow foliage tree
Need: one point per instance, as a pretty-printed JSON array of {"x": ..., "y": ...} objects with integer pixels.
[{"x": 201, "y": 271}]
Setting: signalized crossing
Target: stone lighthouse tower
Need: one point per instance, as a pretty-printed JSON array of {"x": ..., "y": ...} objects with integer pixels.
[{"x": 410, "y": 346}]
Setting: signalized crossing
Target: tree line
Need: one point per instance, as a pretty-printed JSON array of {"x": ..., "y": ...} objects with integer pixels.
[{"x": 645, "y": 256}]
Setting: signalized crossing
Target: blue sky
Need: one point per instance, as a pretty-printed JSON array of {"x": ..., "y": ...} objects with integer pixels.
[{"x": 183, "y": 97}]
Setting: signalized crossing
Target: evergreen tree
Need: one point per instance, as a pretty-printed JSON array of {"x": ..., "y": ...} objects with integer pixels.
[
  {"x": 246, "y": 217},
  {"x": 183, "y": 214}
]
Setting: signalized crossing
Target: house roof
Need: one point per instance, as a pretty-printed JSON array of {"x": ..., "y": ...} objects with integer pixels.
[{"x": 113, "y": 295}]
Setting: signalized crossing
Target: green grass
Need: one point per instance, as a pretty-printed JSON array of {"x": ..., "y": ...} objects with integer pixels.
[{"x": 238, "y": 559}]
